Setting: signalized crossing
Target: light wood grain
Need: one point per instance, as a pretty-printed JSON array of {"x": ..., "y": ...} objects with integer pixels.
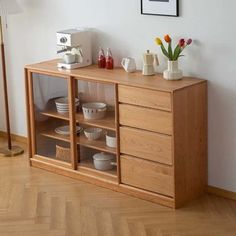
[
  {"x": 147, "y": 175},
  {"x": 117, "y": 119},
  {"x": 108, "y": 122},
  {"x": 27, "y": 105},
  {"x": 221, "y": 193},
  {"x": 145, "y": 118},
  {"x": 31, "y": 114},
  {"x": 87, "y": 166},
  {"x": 72, "y": 124},
  {"x": 118, "y": 76},
  {"x": 35, "y": 202},
  {"x": 163, "y": 129},
  {"x": 145, "y": 97},
  {"x": 52, "y": 161},
  {"x": 190, "y": 142},
  {"x": 99, "y": 144},
  {"x": 147, "y": 145},
  {"x": 14, "y": 137}
]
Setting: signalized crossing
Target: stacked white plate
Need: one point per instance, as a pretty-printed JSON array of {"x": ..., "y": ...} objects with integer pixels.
[
  {"x": 62, "y": 104},
  {"x": 65, "y": 130}
]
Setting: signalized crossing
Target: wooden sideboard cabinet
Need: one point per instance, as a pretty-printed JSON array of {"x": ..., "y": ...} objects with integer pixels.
[{"x": 161, "y": 130}]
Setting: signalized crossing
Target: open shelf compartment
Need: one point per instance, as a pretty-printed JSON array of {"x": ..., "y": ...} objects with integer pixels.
[{"x": 86, "y": 165}]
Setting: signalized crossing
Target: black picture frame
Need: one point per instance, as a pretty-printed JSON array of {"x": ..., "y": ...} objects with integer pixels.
[{"x": 157, "y": 14}]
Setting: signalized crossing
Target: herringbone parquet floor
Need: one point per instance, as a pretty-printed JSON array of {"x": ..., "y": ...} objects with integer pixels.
[{"x": 34, "y": 202}]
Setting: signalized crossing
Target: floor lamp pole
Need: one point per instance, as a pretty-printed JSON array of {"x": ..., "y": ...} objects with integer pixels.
[
  {"x": 4, "y": 75},
  {"x": 10, "y": 150}
]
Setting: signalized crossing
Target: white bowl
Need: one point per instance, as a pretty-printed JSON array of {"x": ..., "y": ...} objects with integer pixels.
[
  {"x": 111, "y": 140},
  {"x": 62, "y": 104},
  {"x": 64, "y": 101},
  {"x": 93, "y": 133},
  {"x": 94, "y": 110}
]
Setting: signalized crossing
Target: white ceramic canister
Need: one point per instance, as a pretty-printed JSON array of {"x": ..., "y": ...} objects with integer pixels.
[{"x": 111, "y": 140}]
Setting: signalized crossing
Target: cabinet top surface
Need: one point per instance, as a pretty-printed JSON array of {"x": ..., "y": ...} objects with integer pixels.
[{"x": 116, "y": 76}]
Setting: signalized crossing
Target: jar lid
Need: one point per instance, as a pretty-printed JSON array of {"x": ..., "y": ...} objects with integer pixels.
[{"x": 103, "y": 156}]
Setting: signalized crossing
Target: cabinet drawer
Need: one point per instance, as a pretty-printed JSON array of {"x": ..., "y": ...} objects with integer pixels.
[
  {"x": 147, "y": 175},
  {"x": 146, "y": 145},
  {"x": 144, "y": 97},
  {"x": 145, "y": 118}
]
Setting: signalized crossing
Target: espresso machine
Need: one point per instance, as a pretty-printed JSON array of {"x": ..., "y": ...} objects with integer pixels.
[{"x": 77, "y": 48}]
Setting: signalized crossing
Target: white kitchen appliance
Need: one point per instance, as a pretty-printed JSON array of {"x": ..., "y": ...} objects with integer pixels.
[{"x": 75, "y": 42}]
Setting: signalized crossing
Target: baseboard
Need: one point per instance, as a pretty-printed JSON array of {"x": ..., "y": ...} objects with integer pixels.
[
  {"x": 221, "y": 193},
  {"x": 14, "y": 137}
]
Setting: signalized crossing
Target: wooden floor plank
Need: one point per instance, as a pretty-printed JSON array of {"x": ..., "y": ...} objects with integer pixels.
[{"x": 34, "y": 202}]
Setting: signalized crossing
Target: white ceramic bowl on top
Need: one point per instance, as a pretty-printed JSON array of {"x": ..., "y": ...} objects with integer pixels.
[
  {"x": 94, "y": 110},
  {"x": 93, "y": 133},
  {"x": 111, "y": 140},
  {"x": 62, "y": 104}
]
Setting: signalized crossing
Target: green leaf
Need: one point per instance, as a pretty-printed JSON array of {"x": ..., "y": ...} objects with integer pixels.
[
  {"x": 177, "y": 52},
  {"x": 164, "y": 51},
  {"x": 170, "y": 51}
]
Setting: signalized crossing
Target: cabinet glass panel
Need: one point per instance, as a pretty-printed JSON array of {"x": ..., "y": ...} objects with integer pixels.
[
  {"x": 96, "y": 116},
  {"x": 51, "y": 117}
]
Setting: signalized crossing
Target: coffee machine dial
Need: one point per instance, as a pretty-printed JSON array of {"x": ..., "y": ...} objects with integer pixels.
[{"x": 63, "y": 40}]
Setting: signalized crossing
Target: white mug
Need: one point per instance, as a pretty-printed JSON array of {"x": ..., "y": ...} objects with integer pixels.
[
  {"x": 69, "y": 58},
  {"x": 128, "y": 64}
]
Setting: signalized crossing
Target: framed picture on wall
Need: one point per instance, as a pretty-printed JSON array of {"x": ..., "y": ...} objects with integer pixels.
[{"x": 160, "y": 7}]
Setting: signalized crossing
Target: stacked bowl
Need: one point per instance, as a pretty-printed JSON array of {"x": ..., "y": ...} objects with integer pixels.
[
  {"x": 62, "y": 104},
  {"x": 94, "y": 110}
]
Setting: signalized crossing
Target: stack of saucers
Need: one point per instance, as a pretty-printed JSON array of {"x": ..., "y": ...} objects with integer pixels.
[
  {"x": 65, "y": 130},
  {"x": 62, "y": 104}
]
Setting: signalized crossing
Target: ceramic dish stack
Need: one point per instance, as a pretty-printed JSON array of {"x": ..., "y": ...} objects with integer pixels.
[
  {"x": 62, "y": 104},
  {"x": 65, "y": 130},
  {"x": 94, "y": 110}
]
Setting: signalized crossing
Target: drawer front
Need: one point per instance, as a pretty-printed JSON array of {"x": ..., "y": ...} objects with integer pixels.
[
  {"x": 145, "y": 118},
  {"x": 144, "y": 97},
  {"x": 147, "y": 175},
  {"x": 146, "y": 145}
]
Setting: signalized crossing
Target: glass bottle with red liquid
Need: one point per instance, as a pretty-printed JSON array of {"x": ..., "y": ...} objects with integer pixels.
[
  {"x": 109, "y": 60},
  {"x": 101, "y": 59}
]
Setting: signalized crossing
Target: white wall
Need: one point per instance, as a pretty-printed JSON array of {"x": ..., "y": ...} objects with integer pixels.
[{"x": 119, "y": 25}]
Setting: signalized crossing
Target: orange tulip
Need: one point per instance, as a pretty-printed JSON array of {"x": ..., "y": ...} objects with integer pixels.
[{"x": 167, "y": 38}]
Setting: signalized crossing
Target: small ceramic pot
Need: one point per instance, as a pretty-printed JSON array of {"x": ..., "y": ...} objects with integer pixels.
[
  {"x": 173, "y": 72},
  {"x": 103, "y": 161}
]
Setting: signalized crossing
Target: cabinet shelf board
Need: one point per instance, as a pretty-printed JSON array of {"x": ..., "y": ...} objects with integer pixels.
[
  {"x": 53, "y": 113},
  {"x": 87, "y": 166},
  {"x": 99, "y": 145},
  {"x": 108, "y": 122},
  {"x": 54, "y": 135}
]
